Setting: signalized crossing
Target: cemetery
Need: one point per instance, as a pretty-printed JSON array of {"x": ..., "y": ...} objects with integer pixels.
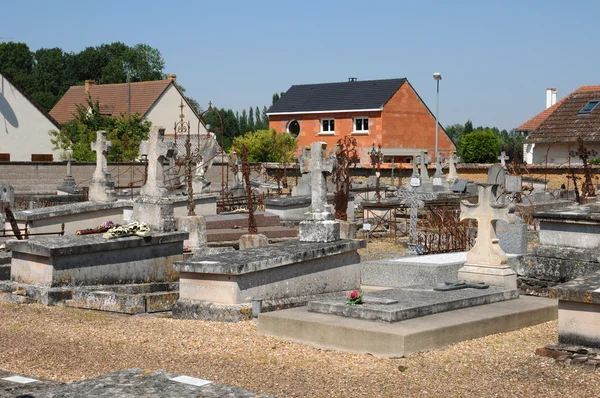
[{"x": 241, "y": 247}]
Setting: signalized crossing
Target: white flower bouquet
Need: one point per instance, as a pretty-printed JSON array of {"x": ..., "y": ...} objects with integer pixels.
[{"x": 133, "y": 228}]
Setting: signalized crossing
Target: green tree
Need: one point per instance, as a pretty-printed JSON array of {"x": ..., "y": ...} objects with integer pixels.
[
  {"x": 125, "y": 132},
  {"x": 244, "y": 122},
  {"x": 275, "y": 98},
  {"x": 267, "y": 146},
  {"x": 258, "y": 124},
  {"x": 251, "y": 125},
  {"x": 480, "y": 146},
  {"x": 265, "y": 118},
  {"x": 468, "y": 127}
]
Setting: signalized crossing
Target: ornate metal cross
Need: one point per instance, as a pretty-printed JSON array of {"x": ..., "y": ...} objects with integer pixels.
[
  {"x": 376, "y": 160},
  {"x": 587, "y": 188},
  {"x": 415, "y": 201},
  {"x": 191, "y": 159},
  {"x": 252, "y": 227}
]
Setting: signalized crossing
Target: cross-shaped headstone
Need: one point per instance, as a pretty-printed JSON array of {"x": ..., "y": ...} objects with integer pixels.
[
  {"x": 415, "y": 201},
  {"x": 503, "y": 158},
  {"x": 486, "y": 250},
  {"x": 438, "y": 165},
  {"x": 236, "y": 165},
  {"x": 452, "y": 175},
  {"x": 415, "y": 179},
  {"x": 157, "y": 150},
  {"x": 101, "y": 146},
  {"x": 424, "y": 159},
  {"x": 319, "y": 167}
]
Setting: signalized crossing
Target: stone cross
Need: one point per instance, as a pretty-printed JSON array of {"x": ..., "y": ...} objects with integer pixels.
[
  {"x": 452, "y": 175},
  {"x": 101, "y": 146},
  {"x": 157, "y": 150},
  {"x": 69, "y": 170},
  {"x": 486, "y": 250},
  {"x": 319, "y": 166},
  {"x": 304, "y": 160},
  {"x": 238, "y": 177},
  {"x": 503, "y": 158},
  {"x": 438, "y": 165},
  {"x": 415, "y": 201},
  {"x": 415, "y": 179},
  {"x": 424, "y": 160}
]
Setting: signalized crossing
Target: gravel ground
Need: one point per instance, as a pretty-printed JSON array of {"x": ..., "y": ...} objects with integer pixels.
[{"x": 68, "y": 345}]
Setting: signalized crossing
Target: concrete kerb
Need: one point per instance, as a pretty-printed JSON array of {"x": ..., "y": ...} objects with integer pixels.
[{"x": 409, "y": 336}]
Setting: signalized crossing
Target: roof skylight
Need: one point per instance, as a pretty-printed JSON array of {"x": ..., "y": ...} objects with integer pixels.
[{"x": 589, "y": 107}]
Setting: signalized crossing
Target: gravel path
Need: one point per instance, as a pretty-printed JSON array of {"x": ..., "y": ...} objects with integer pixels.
[{"x": 67, "y": 345}]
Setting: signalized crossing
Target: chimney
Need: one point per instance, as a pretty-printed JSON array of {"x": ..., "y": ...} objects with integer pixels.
[
  {"x": 550, "y": 97},
  {"x": 172, "y": 76},
  {"x": 88, "y": 86},
  {"x": 352, "y": 79}
]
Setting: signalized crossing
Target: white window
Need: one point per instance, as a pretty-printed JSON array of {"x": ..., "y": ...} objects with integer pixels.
[
  {"x": 327, "y": 126},
  {"x": 361, "y": 124}
]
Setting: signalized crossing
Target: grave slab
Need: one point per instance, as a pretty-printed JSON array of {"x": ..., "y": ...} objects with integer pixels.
[
  {"x": 579, "y": 311},
  {"x": 411, "y": 302},
  {"x": 399, "y": 339}
]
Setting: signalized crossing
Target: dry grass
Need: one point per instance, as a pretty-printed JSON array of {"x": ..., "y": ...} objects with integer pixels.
[{"x": 67, "y": 345}]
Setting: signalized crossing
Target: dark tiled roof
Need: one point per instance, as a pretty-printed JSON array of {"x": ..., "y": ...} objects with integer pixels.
[
  {"x": 112, "y": 98},
  {"x": 565, "y": 124},
  {"x": 26, "y": 95},
  {"x": 368, "y": 94}
]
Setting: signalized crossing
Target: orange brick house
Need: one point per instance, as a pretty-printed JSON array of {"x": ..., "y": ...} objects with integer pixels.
[{"x": 387, "y": 112}]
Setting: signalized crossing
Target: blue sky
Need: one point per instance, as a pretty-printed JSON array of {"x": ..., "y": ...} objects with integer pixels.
[{"x": 496, "y": 57}]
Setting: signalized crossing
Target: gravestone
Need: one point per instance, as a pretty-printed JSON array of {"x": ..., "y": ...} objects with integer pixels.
[
  {"x": 153, "y": 206},
  {"x": 102, "y": 186},
  {"x": 512, "y": 237},
  {"x": 497, "y": 176},
  {"x": 460, "y": 185},
  {"x": 319, "y": 224},
  {"x": 486, "y": 261},
  {"x": 415, "y": 201},
  {"x": 415, "y": 178},
  {"x": 424, "y": 160},
  {"x": 438, "y": 175},
  {"x": 303, "y": 186},
  {"x": 452, "y": 175},
  {"x": 237, "y": 188},
  {"x": 503, "y": 158},
  {"x": 208, "y": 150},
  {"x": 7, "y": 195},
  {"x": 69, "y": 181}
]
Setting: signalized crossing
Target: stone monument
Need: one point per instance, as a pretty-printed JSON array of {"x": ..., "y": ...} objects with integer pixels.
[
  {"x": 319, "y": 224},
  {"x": 102, "y": 187},
  {"x": 486, "y": 261},
  {"x": 303, "y": 187},
  {"x": 452, "y": 175},
  {"x": 415, "y": 178},
  {"x": 438, "y": 177},
  {"x": 153, "y": 206},
  {"x": 503, "y": 158},
  {"x": 208, "y": 151},
  {"x": 415, "y": 201}
]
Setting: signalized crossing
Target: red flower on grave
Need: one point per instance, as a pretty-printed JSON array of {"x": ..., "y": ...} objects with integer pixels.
[{"x": 354, "y": 295}]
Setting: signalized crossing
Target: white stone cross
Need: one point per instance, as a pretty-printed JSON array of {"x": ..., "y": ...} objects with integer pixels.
[
  {"x": 157, "y": 150},
  {"x": 415, "y": 201},
  {"x": 101, "y": 146},
  {"x": 438, "y": 165},
  {"x": 503, "y": 158},
  {"x": 452, "y": 175},
  {"x": 424, "y": 160},
  {"x": 486, "y": 250},
  {"x": 319, "y": 166}
]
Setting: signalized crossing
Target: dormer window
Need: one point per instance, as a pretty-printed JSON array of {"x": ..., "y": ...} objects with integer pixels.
[{"x": 589, "y": 107}]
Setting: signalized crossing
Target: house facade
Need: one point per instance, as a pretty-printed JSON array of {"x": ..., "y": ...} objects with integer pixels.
[
  {"x": 575, "y": 116},
  {"x": 387, "y": 112},
  {"x": 24, "y": 126},
  {"x": 158, "y": 101}
]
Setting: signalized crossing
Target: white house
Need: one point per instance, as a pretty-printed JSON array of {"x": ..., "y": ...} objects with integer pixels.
[
  {"x": 158, "y": 101},
  {"x": 24, "y": 126}
]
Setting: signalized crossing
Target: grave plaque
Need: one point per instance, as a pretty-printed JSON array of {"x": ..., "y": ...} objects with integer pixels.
[{"x": 460, "y": 185}]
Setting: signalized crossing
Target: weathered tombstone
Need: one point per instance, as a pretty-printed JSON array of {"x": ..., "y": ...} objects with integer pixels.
[
  {"x": 319, "y": 224},
  {"x": 208, "y": 151},
  {"x": 497, "y": 176},
  {"x": 452, "y": 175},
  {"x": 514, "y": 184},
  {"x": 415, "y": 178},
  {"x": 303, "y": 187},
  {"x": 7, "y": 194},
  {"x": 460, "y": 185},
  {"x": 153, "y": 206},
  {"x": 102, "y": 187},
  {"x": 415, "y": 201},
  {"x": 424, "y": 160},
  {"x": 512, "y": 237},
  {"x": 486, "y": 261},
  {"x": 438, "y": 175}
]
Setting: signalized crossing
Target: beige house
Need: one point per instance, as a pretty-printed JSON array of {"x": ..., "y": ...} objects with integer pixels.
[
  {"x": 158, "y": 101},
  {"x": 24, "y": 126}
]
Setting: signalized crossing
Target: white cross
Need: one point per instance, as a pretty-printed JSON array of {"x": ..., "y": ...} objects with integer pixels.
[
  {"x": 101, "y": 146},
  {"x": 319, "y": 166},
  {"x": 503, "y": 158},
  {"x": 156, "y": 150},
  {"x": 415, "y": 201},
  {"x": 486, "y": 250}
]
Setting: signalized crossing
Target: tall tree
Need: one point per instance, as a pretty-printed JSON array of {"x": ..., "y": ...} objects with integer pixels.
[
  {"x": 275, "y": 98},
  {"x": 265, "y": 117},
  {"x": 258, "y": 123},
  {"x": 244, "y": 122},
  {"x": 251, "y": 125},
  {"x": 468, "y": 127}
]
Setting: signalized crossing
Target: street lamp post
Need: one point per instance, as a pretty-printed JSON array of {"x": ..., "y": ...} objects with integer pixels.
[{"x": 437, "y": 177}]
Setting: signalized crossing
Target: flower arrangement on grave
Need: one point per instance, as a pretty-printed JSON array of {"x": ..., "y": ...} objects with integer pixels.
[
  {"x": 355, "y": 297},
  {"x": 105, "y": 226},
  {"x": 132, "y": 228}
]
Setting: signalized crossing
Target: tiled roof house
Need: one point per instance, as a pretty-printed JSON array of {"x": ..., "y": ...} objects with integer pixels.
[
  {"x": 554, "y": 133},
  {"x": 387, "y": 112}
]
